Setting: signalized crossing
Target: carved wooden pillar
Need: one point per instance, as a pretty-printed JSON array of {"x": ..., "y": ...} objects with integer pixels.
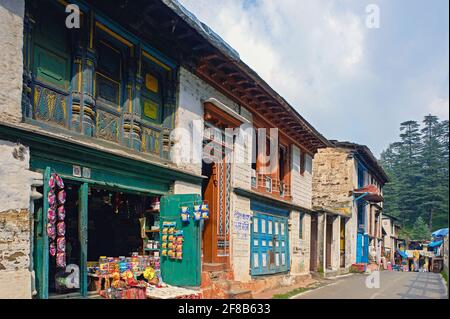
[
  {"x": 83, "y": 100},
  {"x": 27, "y": 91},
  {"x": 131, "y": 117}
]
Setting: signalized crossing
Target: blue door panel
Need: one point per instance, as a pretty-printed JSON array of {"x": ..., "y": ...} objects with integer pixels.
[{"x": 269, "y": 244}]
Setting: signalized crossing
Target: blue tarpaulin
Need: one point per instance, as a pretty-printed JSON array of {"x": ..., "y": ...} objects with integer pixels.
[
  {"x": 440, "y": 233},
  {"x": 435, "y": 244},
  {"x": 403, "y": 254}
]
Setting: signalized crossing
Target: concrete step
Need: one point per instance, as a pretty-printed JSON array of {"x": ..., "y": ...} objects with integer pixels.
[{"x": 214, "y": 267}]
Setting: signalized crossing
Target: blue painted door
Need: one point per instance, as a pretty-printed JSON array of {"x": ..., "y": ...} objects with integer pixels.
[
  {"x": 359, "y": 245},
  {"x": 366, "y": 249},
  {"x": 269, "y": 244}
]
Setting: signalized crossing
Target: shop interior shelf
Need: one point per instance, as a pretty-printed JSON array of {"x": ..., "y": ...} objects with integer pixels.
[
  {"x": 152, "y": 231},
  {"x": 153, "y": 211}
]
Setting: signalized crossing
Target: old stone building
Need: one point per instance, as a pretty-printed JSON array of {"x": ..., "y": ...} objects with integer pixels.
[
  {"x": 347, "y": 195},
  {"x": 391, "y": 228},
  {"x": 120, "y": 109}
]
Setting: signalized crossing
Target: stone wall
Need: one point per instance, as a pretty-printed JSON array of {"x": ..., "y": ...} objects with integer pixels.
[
  {"x": 15, "y": 220},
  {"x": 11, "y": 62},
  {"x": 333, "y": 179}
]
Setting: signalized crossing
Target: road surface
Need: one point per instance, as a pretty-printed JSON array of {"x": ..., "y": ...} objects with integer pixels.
[{"x": 393, "y": 285}]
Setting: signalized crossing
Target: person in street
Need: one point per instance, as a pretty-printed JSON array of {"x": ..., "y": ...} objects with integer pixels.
[
  {"x": 416, "y": 256},
  {"x": 421, "y": 263}
]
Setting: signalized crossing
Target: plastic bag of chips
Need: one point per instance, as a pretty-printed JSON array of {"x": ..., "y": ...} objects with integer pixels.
[
  {"x": 62, "y": 196},
  {"x": 61, "y": 228},
  {"x": 61, "y": 213},
  {"x": 51, "y": 215},
  {"x": 52, "y": 249},
  {"x": 59, "y": 181},
  {"x": 61, "y": 244},
  {"x": 51, "y": 231},
  {"x": 61, "y": 260},
  {"x": 51, "y": 181},
  {"x": 51, "y": 198}
]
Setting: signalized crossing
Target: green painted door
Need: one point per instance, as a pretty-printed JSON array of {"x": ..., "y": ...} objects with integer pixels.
[
  {"x": 83, "y": 235},
  {"x": 41, "y": 242},
  {"x": 187, "y": 271}
]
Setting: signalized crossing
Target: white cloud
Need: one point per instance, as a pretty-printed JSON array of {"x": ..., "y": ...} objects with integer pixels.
[
  {"x": 439, "y": 106},
  {"x": 341, "y": 76}
]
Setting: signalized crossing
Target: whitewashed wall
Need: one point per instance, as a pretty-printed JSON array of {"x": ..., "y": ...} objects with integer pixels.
[
  {"x": 11, "y": 61},
  {"x": 301, "y": 184},
  {"x": 240, "y": 240}
]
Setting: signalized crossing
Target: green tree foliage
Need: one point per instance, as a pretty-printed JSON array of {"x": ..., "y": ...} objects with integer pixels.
[
  {"x": 417, "y": 166},
  {"x": 420, "y": 230}
]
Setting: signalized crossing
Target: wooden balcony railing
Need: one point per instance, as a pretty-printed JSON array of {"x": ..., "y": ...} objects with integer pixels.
[{"x": 266, "y": 184}]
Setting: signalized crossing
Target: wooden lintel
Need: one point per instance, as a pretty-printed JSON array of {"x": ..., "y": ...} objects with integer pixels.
[{"x": 211, "y": 57}]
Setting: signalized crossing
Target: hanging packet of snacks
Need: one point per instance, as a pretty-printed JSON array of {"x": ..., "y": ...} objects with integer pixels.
[
  {"x": 167, "y": 238},
  {"x": 178, "y": 244},
  {"x": 205, "y": 211},
  {"x": 197, "y": 212},
  {"x": 185, "y": 214},
  {"x": 56, "y": 227}
]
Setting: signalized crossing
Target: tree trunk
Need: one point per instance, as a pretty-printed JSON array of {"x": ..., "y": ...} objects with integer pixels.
[{"x": 430, "y": 221}]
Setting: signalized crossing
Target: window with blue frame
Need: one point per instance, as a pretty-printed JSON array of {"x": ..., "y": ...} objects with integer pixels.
[
  {"x": 108, "y": 79},
  {"x": 152, "y": 98},
  {"x": 50, "y": 64},
  {"x": 90, "y": 80}
]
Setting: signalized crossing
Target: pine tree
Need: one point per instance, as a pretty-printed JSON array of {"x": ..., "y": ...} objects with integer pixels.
[
  {"x": 409, "y": 173},
  {"x": 420, "y": 230},
  {"x": 431, "y": 192},
  {"x": 418, "y": 170}
]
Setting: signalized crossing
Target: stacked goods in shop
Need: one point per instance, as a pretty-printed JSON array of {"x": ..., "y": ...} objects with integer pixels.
[
  {"x": 56, "y": 227},
  {"x": 126, "y": 277}
]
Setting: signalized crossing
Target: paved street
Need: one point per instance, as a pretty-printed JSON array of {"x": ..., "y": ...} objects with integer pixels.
[{"x": 393, "y": 285}]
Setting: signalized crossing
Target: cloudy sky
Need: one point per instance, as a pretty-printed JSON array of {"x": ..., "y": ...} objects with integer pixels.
[{"x": 351, "y": 82}]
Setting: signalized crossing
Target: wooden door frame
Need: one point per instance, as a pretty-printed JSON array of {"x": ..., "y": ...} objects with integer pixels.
[
  {"x": 313, "y": 242},
  {"x": 210, "y": 232},
  {"x": 329, "y": 241},
  {"x": 41, "y": 239},
  {"x": 342, "y": 240}
]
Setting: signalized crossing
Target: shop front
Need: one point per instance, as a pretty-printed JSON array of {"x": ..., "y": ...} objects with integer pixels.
[
  {"x": 110, "y": 226},
  {"x": 269, "y": 240}
]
